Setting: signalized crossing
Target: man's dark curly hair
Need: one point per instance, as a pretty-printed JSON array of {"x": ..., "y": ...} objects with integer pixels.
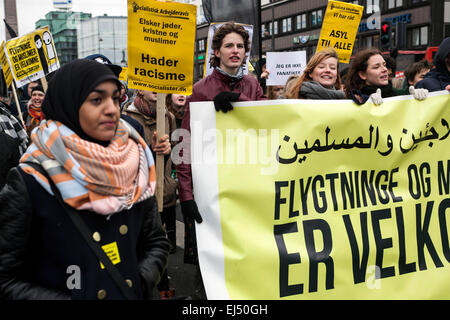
[{"x": 220, "y": 34}]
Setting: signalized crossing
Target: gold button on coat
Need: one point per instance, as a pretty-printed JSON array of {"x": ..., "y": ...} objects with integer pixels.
[
  {"x": 96, "y": 236},
  {"x": 130, "y": 283},
  {"x": 123, "y": 229},
  {"x": 101, "y": 294}
]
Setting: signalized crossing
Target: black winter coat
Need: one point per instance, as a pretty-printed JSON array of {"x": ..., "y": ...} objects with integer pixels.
[
  {"x": 9, "y": 156},
  {"x": 439, "y": 77},
  {"x": 41, "y": 250}
]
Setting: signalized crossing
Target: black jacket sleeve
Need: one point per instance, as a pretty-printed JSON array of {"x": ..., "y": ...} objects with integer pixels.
[
  {"x": 15, "y": 229},
  {"x": 153, "y": 247}
]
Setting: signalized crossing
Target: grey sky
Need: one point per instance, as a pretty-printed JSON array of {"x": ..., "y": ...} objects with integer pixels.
[{"x": 29, "y": 11}]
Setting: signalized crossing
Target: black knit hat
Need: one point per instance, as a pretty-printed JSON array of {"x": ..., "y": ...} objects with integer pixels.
[{"x": 38, "y": 88}]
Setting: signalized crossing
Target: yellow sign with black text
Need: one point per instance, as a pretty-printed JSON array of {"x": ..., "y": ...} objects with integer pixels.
[
  {"x": 6, "y": 69},
  {"x": 161, "y": 38},
  {"x": 112, "y": 251},
  {"x": 324, "y": 199},
  {"x": 339, "y": 28},
  {"x": 123, "y": 76},
  {"x": 31, "y": 56}
]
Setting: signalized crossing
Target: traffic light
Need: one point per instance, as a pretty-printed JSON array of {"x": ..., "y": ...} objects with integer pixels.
[{"x": 386, "y": 35}]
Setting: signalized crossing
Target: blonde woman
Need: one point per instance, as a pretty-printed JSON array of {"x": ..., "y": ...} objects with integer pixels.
[{"x": 320, "y": 80}]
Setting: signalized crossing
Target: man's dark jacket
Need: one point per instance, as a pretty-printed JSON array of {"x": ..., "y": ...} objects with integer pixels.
[{"x": 439, "y": 77}]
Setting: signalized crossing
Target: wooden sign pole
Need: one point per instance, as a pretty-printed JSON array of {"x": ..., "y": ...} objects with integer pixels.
[
  {"x": 160, "y": 130},
  {"x": 19, "y": 112},
  {"x": 44, "y": 84}
]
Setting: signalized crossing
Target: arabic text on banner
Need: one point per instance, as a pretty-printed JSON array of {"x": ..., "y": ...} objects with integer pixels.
[
  {"x": 324, "y": 199},
  {"x": 161, "y": 38}
]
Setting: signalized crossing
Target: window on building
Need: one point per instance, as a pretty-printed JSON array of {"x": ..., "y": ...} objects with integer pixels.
[
  {"x": 201, "y": 45},
  {"x": 372, "y": 6},
  {"x": 300, "y": 21},
  {"x": 371, "y": 41},
  {"x": 286, "y": 25},
  {"x": 368, "y": 42},
  {"x": 395, "y": 4},
  {"x": 275, "y": 27},
  {"x": 316, "y": 17},
  {"x": 419, "y": 36}
]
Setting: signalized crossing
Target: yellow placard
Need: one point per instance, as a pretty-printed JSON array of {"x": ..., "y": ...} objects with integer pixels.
[
  {"x": 112, "y": 251},
  {"x": 123, "y": 76},
  {"x": 32, "y": 56},
  {"x": 339, "y": 28},
  {"x": 161, "y": 37},
  {"x": 324, "y": 199},
  {"x": 5, "y": 65}
]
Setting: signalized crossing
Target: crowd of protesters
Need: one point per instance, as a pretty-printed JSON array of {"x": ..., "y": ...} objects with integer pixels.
[{"x": 87, "y": 145}]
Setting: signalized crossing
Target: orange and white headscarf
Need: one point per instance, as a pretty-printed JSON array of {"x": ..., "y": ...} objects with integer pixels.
[{"x": 88, "y": 175}]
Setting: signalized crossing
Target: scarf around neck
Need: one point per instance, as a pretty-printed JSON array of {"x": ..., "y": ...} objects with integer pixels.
[
  {"x": 314, "y": 90},
  {"x": 239, "y": 75},
  {"x": 145, "y": 107},
  {"x": 35, "y": 113},
  {"x": 104, "y": 180}
]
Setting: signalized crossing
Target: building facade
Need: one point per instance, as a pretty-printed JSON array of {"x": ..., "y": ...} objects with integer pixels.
[
  {"x": 63, "y": 27},
  {"x": 10, "y": 16},
  {"x": 105, "y": 35},
  {"x": 292, "y": 25}
]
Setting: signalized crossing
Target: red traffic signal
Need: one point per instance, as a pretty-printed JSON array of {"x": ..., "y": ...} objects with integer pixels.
[{"x": 385, "y": 35}]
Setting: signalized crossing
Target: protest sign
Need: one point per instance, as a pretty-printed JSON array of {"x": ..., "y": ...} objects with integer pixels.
[
  {"x": 282, "y": 65},
  {"x": 339, "y": 28},
  {"x": 323, "y": 199},
  {"x": 210, "y": 52},
  {"x": 31, "y": 56},
  {"x": 161, "y": 38},
  {"x": 5, "y": 65},
  {"x": 123, "y": 76}
]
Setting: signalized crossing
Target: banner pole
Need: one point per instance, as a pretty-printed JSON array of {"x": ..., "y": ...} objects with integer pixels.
[
  {"x": 160, "y": 130},
  {"x": 44, "y": 84},
  {"x": 18, "y": 105}
]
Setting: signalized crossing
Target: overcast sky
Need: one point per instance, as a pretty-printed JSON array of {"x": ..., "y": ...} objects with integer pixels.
[{"x": 30, "y": 11}]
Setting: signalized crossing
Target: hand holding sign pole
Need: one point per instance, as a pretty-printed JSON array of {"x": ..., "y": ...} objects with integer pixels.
[
  {"x": 160, "y": 37},
  {"x": 160, "y": 130}
]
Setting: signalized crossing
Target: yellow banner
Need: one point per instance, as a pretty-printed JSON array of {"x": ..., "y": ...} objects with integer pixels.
[
  {"x": 161, "y": 37},
  {"x": 5, "y": 65},
  {"x": 32, "y": 56},
  {"x": 310, "y": 199},
  {"x": 339, "y": 28}
]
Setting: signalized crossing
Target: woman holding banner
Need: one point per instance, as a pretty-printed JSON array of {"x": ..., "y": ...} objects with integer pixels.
[
  {"x": 320, "y": 80},
  {"x": 226, "y": 84},
  {"x": 368, "y": 78},
  {"x": 78, "y": 217}
]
